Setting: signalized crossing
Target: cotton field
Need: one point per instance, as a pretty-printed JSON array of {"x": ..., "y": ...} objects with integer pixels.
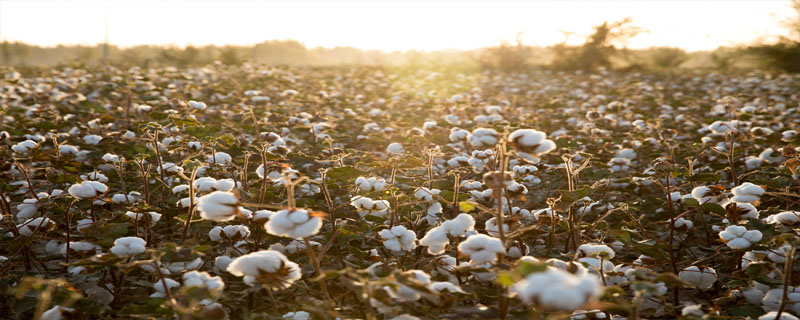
[{"x": 252, "y": 192}]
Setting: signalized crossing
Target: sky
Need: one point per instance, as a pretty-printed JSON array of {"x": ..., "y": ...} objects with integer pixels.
[{"x": 387, "y": 25}]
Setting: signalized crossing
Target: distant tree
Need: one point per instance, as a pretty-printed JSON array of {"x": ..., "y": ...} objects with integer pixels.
[
  {"x": 598, "y": 49},
  {"x": 230, "y": 56},
  {"x": 666, "y": 58},
  {"x": 506, "y": 57},
  {"x": 785, "y": 54}
]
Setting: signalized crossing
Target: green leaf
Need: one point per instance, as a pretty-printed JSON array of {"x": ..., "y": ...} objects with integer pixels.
[
  {"x": 715, "y": 208},
  {"x": 705, "y": 177}
]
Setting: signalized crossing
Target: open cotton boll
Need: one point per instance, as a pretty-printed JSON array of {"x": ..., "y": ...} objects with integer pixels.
[
  {"x": 203, "y": 280},
  {"x": 481, "y": 248},
  {"x": 773, "y": 315},
  {"x": 701, "y": 277},
  {"x": 298, "y": 315},
  {"x": 596, "y": 250},
  {"x": 80, "y": 247},
  {"x": 425, "y": 194},
  {"x": 741, "y": 211},
  {"x": 558, "y": 290},
  {"x": 27, "y": 209},
  {"x": 197, "y": 105},
  {"x": 92, "y": 139},
  {"x": 31, "y": 226},
  {"x": 162, "y": 287},
  {"x": 220, "y": 158},
  {"x": 399, "y": 239},
  {"x": 24, "y": 146},
  {"x": 395, "y": 148},
  {"x": 151, "y": 217},
  {"x": 739, "y": 237},
  {"x": 747, "y": 193},
  {"x": 531, "y": 141},
  {"x": 772, "y": 299},
  {"x": 87, "y": 189},
  {"x": 56, "y": 313},
  {"x": 128, "y": 246},
  {"x": 218, "y": 206},
  {"x": 68, "y": 149},
  {"x": 713, "y": 194},
  {"x": 293, "y": 223},
  {"x": 234, "y": 233},
  {"x": 785, "y": 218},
  {"x": 483, "y": 138},
  {"x": 493, "y": 229},
  {"x": 268, "y": 267},
  {"x": 370, "y": 184}
]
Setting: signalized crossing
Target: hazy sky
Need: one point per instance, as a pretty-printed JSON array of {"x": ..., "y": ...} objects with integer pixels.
[{"x": 386, "y": 25}]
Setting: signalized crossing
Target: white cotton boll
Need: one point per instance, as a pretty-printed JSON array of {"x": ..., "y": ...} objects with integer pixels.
[
  {"x": 24, "y": 146},
  {"x": 395, "y": 148},
  {"x": 108, "y": 157},
  {"x": 254, "y": 266},
  {"x": 531, "y": 141},
  {"x": 92, "y": 139},
  {"x": 683, "y": 224},
  {"x": 701, "y": 277},
  {"x": 558, "y": 290},
  {"x": 220, "y": 158},
  {"x": 483, "y": 138},
  {"x": 739, "y": 237},
  {"x": 425, "y": 194},
  {"x": 720, "y": 127},
  {"x": 298, "y": 315},
  {"x": 82, "y": 224},
  {"x": 202, "y": 279},
  {"x": 68, "y": 149},
  {"x": 27, "y": 209},
  {"x": 218, "y": 206},
  {"x": 482, "y": 248},
  {"x": 221, "y": 264},
  {"x": 747, "y": 193},
  {"x": 772, "y": 299},
  {"x": 493, "y": 229},
  {"x": 370, "y": 184},
  {"x": 31, "y": 226},
  {"x": 399, "y": 239},
  {"x": 771, "y": 156},
  {"x": 180, "y": 188},
  {"x": 457, "y": 134},
  {"x": 153, "y": 217},
  {"x": 197, "y": 105},
  {"x": 743, "y": 209},
  {"x": 169, "y": 167},
  {"x": 773, "y": 315},
  {"x": 785, "y": 218},
  {"x": 446, "y": 286},
  {"x": 55, "y": 313},
  {"x": 87, "y": 189},
  {"x": 599, "y": 250},
  {"x": 233, "y": 232},
  {"x": 705, "y": 194},
  {"x": 293, "y": 223},
  {"x": 162, "y": 286},
  {"x": 595, "y": 265},
  {"x": 433, "y": 211},
  {"x": 128, "y": 246},
  {"x": 94, "y": 176},
  {"x": 80, "y": 246}
]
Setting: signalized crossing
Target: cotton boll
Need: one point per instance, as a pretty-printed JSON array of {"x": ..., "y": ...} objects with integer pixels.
[
  {"x": 221, "y": 264},
  {"x": 197, "y": 105},
  {"x": 483, "y": 138},
  {"x": 399, "y": 239},
  {"x": 293, "y": 223},
  {"x": 482, "y": 248},
  {"x": 151, "y": 217},
  {"x": 701, "y": 277},
  {"x": 785, "y": 218},
  {"x": 596, "y": 250},
  {"x": 203, "y": 280},
  {"x": 56, "y": 313},
  {"x": 87, "y": 189},
  {"x": 493, "y": 229},
  {"x": 128, "y": 246},
  {"x": 395, "y": 148},
  {"x": 558, "y": 290},
  {"x": 25, "y": 146},
  {"x": 747, "y": 193},
  {"x": 739, "y": 237},
  {"x": 218, "y": 206},
  {"x": 269, "y": 267},
  {"x": 531, "y": 141},
  {"x": 31, "y": 226},
  {"x": 232, "y": 233},
  {"x": 370, "y": 184},
  {"x": 773, "y": 315},
  {"x": 163, "y": 286},
  {"x": 220, "y": 158},
  {"x": 299, "y": 315}
]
